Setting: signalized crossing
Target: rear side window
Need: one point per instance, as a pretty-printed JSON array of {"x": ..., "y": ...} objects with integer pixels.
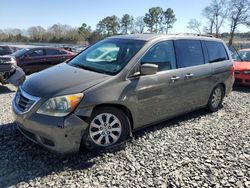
[
  {"x": 62, "y": 52},
  {"x": 216, "y": 51},
  {"x": 189, "y": 53},
  {"x": 52, "y": 52}
]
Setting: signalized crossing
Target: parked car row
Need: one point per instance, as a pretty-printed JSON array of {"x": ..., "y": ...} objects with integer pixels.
[
  {"x": 242, "y": 67},
  {"x": 32, "y": 60},
  {"x": 6, "y": 50}
]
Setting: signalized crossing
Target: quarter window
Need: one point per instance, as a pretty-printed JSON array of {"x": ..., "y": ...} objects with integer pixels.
[
  {"x": 216, "y": 51},
  {"x": 162, "y": 54},
  {"x": 189, "y": 53}
]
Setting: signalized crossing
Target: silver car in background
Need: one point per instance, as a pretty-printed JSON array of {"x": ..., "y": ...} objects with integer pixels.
[{"x": 119, "y": 85}]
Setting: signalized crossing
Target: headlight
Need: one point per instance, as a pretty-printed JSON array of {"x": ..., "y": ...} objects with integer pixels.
[
  {"x": 246, "y": 72},
  {"x": 60, "y": 106}
]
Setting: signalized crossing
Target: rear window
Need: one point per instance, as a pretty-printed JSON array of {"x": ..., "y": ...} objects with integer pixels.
[
  {"x": 216, "y": 51},
  {"x": 189, "y": 53}
]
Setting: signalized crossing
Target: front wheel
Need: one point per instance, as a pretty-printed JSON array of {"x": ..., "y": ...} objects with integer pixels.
[
  {"x": 216, "y": 98},
  {"x": 107, "y": 126}
]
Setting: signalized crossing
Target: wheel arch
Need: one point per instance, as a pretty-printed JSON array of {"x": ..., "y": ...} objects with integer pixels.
[{"x": 125, "y": 109}]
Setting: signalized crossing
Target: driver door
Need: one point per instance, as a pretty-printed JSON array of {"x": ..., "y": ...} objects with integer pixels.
[{"x": 158, "y": 96}]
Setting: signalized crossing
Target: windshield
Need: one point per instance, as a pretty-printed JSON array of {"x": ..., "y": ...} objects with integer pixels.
[
  {"x": 242, "y": 55},
  {"x": 108, "y": 56},
  {"x": 19, "y": 53}
]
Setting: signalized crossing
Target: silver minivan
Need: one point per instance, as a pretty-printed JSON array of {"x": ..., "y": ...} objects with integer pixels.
[{"x": 119, "y": 85}]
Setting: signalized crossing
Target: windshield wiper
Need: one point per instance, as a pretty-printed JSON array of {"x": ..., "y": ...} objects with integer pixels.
[
  {"x": 237, "y": 53},
  {"x": 89, "y": 68}
]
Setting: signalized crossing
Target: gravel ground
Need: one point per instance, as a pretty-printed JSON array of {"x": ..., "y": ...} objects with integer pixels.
[{"x": 195, "y": 150}]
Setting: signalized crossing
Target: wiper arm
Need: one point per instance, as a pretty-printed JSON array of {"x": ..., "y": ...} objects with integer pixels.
[
  {"x": 88, "y": 68},
  {"x": 237, "y": 53}
]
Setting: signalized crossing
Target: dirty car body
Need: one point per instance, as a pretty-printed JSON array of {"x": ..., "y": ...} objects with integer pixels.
[{"x": 133, "y": 87}]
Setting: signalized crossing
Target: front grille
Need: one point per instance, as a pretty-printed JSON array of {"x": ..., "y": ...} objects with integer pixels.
[
  {"x": 5, "y": 59},
  {"x": 24, "y": 101},
  {"x": 238, "y": 80}
]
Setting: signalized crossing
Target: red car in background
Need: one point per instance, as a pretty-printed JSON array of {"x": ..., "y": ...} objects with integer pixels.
[
  {"x": 242, "y": 67},
  {"x": 35, "y": 59}
]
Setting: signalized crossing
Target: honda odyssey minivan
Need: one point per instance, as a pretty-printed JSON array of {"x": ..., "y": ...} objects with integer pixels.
[{"x": 100, "y": 102}]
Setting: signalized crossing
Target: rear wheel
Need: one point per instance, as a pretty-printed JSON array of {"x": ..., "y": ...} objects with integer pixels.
[
  {"x": 107, "y": 126},
  {"x": 216, "y": 98}
]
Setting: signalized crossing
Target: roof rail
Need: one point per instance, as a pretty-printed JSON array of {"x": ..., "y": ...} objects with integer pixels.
[{"x": 196, "y": 34}]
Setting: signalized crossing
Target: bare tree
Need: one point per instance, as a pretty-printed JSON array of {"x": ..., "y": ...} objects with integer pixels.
[
  {"x": 36, "y": 33},
  {"x": 208, "y": 14},
  {"x": 216, "y": 14},
  {"x": 13, "y": 31},
  {"x": 194, "y": 25},
  {"x": 239, "y": 14},
  {"x": 140, "y": 24}
]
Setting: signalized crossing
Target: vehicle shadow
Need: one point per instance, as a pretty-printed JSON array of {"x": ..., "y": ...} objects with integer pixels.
[
  {"x": 21, "y": 160},
  {"x": 5, "y": 90},
  {"x": 243, "y": 89}
]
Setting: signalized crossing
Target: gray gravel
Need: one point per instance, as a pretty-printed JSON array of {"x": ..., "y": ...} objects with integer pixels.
[{"x": 195, "y": 150}]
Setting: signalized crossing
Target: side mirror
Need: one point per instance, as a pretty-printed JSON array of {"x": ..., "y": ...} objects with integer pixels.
[
  {"x": 148, "y": 69},
  {"x": 17, "y": 77}
]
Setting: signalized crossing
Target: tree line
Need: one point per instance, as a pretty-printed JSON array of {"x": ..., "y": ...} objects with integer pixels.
[
  {"x": 221, "y": 12},
  {"x": 157, "y": 20}
]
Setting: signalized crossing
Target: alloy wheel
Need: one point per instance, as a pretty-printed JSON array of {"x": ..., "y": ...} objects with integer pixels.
[
  {"x": 216, "y": 97},
  {"x": 105, "y": 129}
]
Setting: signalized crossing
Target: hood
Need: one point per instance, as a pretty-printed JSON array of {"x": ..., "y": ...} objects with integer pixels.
[
  {"x": 61, "y": 79},
  {"x": 241, "y": 65},
  {"x": 7, "y": 59}
]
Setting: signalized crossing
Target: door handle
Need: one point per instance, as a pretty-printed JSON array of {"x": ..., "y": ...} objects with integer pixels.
[
  {"x": 175, "y": 78},
  {"x": 189, "y": 76}
]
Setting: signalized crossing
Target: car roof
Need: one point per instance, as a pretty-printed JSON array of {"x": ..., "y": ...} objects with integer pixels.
[
  {"x": 42, "y": 47},
  {"x": 151, "y": 36}
]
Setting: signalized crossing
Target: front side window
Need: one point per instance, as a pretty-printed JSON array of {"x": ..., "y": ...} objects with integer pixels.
[
  {"x": 162, "y": 54},
  {"x": 189, "y": 53},
  {"x": 108, "y": 56},
  {"x": 35, "y": 53},
  {"x": 216, "y": 51}
]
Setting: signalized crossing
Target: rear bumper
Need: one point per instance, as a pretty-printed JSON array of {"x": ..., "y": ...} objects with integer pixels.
[{"x": 60, "y": 135}]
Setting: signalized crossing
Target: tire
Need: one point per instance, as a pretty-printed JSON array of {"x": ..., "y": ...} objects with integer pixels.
[
  {"x": 113, "y": 129},
  {"x": 216, "y": 98}
]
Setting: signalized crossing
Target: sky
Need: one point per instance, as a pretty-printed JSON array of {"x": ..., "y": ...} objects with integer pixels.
[{"x": 27, "y": 13}]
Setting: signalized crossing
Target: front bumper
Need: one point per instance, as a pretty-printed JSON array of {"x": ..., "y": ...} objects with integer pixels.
[
  {"x": 61, "y": 135},
  {"x": 242, "y": 79}
]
